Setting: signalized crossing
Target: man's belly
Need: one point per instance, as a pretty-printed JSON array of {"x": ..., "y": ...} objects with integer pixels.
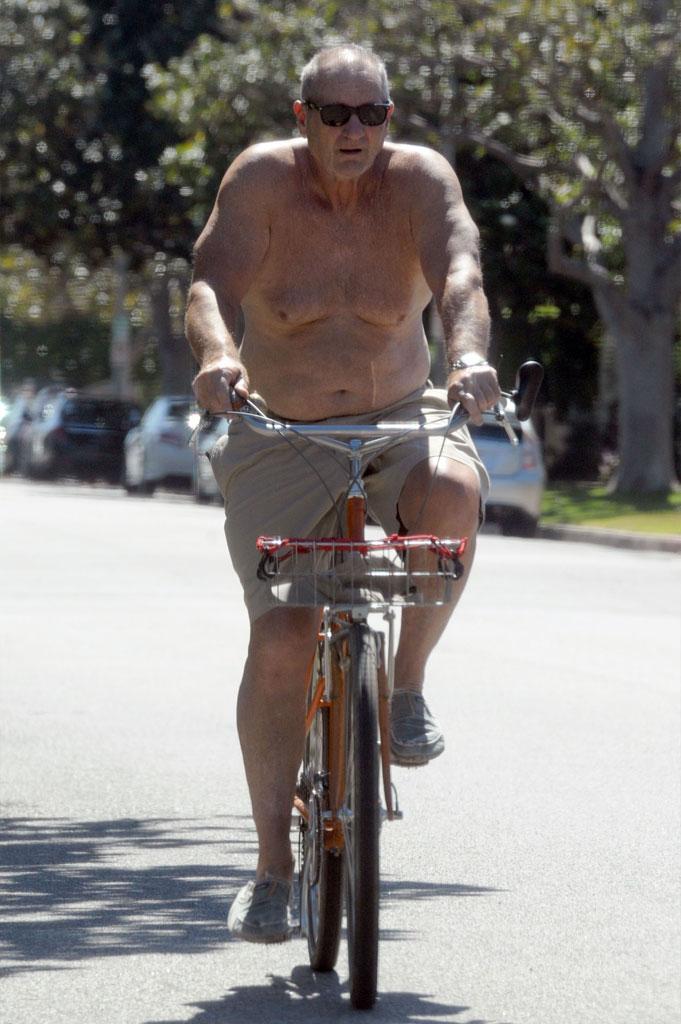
[{"x": 337, "y": 366}]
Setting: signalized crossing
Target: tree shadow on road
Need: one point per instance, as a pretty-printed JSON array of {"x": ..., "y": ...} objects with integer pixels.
[
  {"x": 309, "y": 996},
  {"x": 79, "y": 889}
]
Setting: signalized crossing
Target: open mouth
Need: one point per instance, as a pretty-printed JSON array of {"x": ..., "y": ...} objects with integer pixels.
[{"x": 349, "y": 150}]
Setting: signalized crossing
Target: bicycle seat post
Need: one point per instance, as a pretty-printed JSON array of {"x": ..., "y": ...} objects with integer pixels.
[{"x": 356, "y": 503}]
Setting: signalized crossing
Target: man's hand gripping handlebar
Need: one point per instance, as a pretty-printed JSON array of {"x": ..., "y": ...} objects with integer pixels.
[{"x": 523, "y": 396}]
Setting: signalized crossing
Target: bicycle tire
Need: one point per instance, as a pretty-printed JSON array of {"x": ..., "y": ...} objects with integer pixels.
[
  {"x": 322, "y": 869},
  {"x": 362, "y": 820}
]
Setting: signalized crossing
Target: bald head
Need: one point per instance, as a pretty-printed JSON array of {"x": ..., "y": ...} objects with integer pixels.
[{"x": 329, "y": 62}]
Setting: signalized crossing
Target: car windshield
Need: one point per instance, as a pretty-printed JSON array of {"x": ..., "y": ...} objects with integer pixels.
[
  {"x": 493, "y": 432},
  {"x": 178, "y": 411},
  {"x": 84, "y": 412}
]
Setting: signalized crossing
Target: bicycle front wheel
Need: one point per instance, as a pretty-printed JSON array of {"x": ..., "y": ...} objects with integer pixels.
[
  {"x": 322, "y": 868},
  {"x": 362, "y": 816}
]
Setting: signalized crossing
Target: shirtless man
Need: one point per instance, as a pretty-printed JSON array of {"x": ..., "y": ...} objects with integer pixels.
[{"x": 331, "y": 245}]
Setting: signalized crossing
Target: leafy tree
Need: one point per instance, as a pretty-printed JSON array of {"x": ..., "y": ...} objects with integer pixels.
[
  {"x": 582, "y": 100},
  {"x": 535, "y": 314},
  {"x": 79, "y": 143},
  {"x": 81, "y": 153}
]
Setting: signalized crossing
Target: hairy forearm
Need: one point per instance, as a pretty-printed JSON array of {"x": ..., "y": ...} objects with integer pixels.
[
  {"x": 465, "y": 314},
  {"x": 211, "y": 326}
]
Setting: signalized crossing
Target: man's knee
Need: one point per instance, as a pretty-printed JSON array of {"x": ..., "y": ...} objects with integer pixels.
[
  {"x": 281, "y": 643},
  {"x": 440, "y": 491}
]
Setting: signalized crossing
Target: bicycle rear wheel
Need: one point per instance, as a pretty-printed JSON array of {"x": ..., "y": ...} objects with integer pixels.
[
  {"x": 322, "y": 869},
  {"x": 362, "y": 816}
]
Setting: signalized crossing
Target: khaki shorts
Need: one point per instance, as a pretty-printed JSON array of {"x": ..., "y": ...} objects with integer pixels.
[{"x": 270, "y": 489}]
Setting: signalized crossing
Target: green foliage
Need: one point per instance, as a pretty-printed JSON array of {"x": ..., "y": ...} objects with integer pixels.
[
  {"x": 561, "y": 117},
  {"x": 535, "y": 314},
  {"x": 224, "y": 96},
  {"x": 78, "y": 144},
  {"x": 72, "y": 351}
]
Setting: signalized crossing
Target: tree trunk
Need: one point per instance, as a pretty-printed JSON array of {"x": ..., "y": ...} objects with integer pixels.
[
  {"x": 120, "y": 330},
  {"x": 174, "y": 354},
  {"x": 645, "y": 386}
]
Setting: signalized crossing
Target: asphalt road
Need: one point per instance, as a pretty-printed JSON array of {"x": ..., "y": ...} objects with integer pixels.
[{"x": 535, "y": 877}]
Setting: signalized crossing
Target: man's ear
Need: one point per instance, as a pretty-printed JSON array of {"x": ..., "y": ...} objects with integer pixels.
[{"x": 300, "y": 114}]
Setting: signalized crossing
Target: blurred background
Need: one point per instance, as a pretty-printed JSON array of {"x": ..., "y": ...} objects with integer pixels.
[{"x": 562, "y": 119}]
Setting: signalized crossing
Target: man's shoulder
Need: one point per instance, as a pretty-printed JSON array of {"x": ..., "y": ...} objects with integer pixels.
[
  {"x": 264, "y": 163},
  {"x": 418, "y": 163},
  {"x": 277, "y": 153}
]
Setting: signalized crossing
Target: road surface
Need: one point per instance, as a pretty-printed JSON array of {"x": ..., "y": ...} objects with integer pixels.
[{"x": 535, "y": 877}]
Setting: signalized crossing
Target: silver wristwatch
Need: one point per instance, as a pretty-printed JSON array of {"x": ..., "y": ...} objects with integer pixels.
[{"x": 467, "y": 360}]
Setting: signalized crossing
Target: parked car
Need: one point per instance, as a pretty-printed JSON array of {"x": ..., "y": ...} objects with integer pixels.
[
  {"x": 516, "y": 473},
  {"x": 27, "y": 412},
  {"x": 24, "y": 409},
  {"x": 205, "y": 486},
  {"x": 4, "y": 416},
  {"x": 77, "y": 435},
  {"x": 13, "y": 421},
  {"x": 157, "y": 451}
]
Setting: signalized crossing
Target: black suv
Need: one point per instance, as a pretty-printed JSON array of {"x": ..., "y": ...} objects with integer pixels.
[{"x": 78, "y": 435}]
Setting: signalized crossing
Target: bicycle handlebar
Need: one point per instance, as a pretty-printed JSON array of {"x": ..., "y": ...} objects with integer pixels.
[
  {"x": 263, "y": 424},
  {"x": 528, "y": 382}
]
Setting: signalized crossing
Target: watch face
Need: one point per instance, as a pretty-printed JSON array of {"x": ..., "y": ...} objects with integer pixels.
[{"x": 470, "y": 359}]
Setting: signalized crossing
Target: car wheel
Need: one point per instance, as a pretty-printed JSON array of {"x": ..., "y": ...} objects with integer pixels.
[
  {"x": 139, "y": 486},
  {"x": 517, "y": 523}
]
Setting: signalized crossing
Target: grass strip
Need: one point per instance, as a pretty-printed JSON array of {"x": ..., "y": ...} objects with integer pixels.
[{"x": 591, "y": 505}]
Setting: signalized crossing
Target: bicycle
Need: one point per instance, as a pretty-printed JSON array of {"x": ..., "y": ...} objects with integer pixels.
[{"x": 350, "y": 680}]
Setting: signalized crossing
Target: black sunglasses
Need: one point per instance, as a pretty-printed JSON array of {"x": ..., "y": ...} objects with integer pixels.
[{"x": 337, "y": 114}]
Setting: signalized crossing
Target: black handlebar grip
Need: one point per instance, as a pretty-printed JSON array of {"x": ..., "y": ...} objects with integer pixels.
[{"x": 527, "y": 384}]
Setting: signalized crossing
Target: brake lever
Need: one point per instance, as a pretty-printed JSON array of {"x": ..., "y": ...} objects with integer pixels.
[
  {"x": 207, "y": 418},
  {"x": 500, "y": 416}
]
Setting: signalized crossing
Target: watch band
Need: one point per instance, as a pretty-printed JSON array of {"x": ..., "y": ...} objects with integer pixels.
[{"x": 466, "y": 361}]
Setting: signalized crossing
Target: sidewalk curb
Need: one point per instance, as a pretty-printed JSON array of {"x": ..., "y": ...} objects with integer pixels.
[{"x": 612, "y": 538}]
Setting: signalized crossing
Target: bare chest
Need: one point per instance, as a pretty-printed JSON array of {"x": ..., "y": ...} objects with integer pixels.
[{"x": 321, "y": 264}]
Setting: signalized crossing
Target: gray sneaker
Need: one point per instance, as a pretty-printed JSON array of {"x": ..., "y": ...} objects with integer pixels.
[
  {"x": 260, "y": 912},
  {"x": 415, "y": 737}
]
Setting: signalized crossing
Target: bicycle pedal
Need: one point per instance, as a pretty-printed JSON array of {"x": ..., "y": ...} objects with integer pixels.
[{"x": 396, "y": 815}]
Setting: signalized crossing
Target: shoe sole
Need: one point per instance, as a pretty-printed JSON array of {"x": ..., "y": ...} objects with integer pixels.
[
  {"x": 414, "y": 762},
  {"x": 260, "y": 939}
]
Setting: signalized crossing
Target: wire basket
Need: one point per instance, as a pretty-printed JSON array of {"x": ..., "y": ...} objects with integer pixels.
[{"x": 396, "y": 570}]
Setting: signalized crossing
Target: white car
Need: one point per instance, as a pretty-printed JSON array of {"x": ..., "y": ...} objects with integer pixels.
[
  {"x": 157, "y": 452},
  {"x": 516, "y": 473}
]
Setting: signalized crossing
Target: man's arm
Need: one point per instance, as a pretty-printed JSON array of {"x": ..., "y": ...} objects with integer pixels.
[
  {"x": 229, "y": 252},
  {"x": 448, "y": 245}
]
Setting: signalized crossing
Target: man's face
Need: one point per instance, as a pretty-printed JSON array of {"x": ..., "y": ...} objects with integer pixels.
[{"x": 345, "y": 152}]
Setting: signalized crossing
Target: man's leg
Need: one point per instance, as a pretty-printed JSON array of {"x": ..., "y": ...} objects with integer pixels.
[
  {"x": 271, "y": 721},
  {"x": 447, "y": 506},
  {"x": 451, "y": 509}
]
